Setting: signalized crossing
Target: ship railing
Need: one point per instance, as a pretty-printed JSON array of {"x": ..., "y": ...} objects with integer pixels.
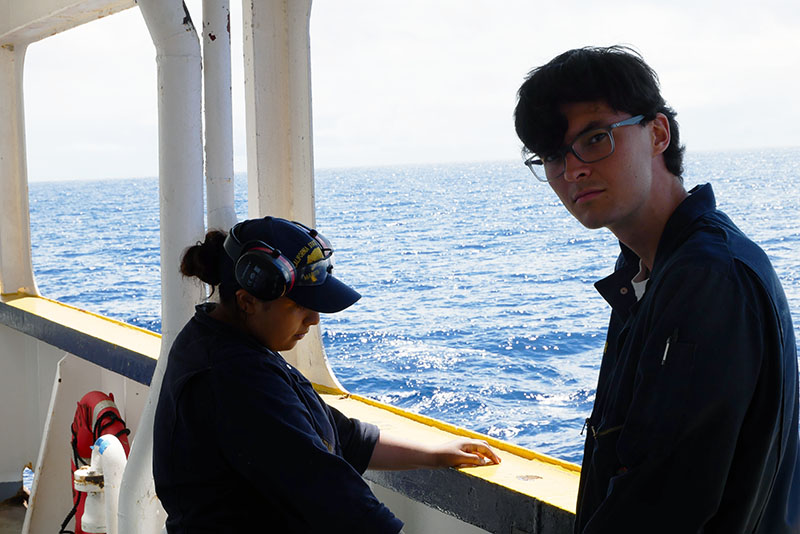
[{"x": 83, "y": 351}]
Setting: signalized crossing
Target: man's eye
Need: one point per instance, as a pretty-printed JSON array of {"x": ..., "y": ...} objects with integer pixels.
[
  {"x": 551, "y": 158},
  {"x": 596, "y": 137}
]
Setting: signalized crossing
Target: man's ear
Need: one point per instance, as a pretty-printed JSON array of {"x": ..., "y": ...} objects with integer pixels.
[{"x": 660, "y": 134}]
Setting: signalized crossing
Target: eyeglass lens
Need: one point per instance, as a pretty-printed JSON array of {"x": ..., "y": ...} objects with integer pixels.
[{"x": 591, "y": 146}]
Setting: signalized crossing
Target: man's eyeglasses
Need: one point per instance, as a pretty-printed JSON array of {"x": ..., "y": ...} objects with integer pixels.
[{"x": 589, "y": 147}]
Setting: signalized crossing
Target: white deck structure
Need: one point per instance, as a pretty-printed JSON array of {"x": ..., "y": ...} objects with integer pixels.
[{"x": 51, "y": 353}]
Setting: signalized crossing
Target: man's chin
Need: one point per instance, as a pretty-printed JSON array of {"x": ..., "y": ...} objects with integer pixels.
[{"x": 591, "y": 224}]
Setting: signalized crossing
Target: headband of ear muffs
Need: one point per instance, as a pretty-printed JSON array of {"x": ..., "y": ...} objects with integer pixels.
[{"x": 259, "y": 268}]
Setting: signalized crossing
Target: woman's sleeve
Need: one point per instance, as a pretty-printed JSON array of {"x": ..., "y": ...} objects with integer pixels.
[
  {"x": 268, "y": 436},
  {"x": 357, "y": 438}
]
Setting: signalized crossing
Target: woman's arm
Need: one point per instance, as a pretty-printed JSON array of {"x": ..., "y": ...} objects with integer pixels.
[{"x": 394, "y": 452}]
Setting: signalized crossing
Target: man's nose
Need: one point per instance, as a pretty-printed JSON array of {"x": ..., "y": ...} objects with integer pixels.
[{"x": 574, "y": 168}]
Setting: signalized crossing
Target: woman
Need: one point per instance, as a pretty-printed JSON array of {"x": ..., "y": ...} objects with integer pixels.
[{"x": 242, "y": 441}]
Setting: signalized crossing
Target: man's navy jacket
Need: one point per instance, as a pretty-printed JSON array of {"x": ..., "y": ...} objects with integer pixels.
[{"x": 695, "y": 422}]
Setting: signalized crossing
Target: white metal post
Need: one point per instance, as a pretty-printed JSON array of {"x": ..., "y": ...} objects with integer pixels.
[
  {"x": 280, "y": 167},
  {"x": 280, "y": 164},
  {"x": 16, "y": 268},
  {"x": 180, "y": 160},
  {"x": 221, "y": 214}
]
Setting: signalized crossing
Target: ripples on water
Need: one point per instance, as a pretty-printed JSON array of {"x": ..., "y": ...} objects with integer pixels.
[{"x": 478, "y": 306}]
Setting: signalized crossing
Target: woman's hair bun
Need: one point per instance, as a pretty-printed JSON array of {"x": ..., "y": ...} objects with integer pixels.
[{"x": 203, "y": 260}]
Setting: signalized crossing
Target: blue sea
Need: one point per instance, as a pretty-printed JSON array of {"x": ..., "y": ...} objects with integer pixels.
[{"x": 478, "y": 306}]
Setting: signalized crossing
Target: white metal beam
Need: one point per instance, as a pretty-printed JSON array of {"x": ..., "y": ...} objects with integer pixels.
[
  {"x": 280, "y": 165},
  {"x": 278, "y": 102},
  {"x": 220, "y": 211},
  {"x": 26, "y": 22},
  {"x": 16, "y": 270},
  {"x": 180, "y": 169}
]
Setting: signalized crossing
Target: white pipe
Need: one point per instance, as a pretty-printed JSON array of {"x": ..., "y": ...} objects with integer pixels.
[
  {"x": 16, "y": 269},
  {"x": 220, "y": 210},
  {"x": 89, "y": 481},
  {"x": 180, "y": 160},
  {"x": 112, "y": 465},
  {"x": 100, "y": 481}
]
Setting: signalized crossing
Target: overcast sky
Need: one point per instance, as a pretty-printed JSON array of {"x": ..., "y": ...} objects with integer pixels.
[{"x": 397, "y": 82}]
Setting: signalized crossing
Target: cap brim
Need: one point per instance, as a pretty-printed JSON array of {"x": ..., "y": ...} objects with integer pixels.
[{"x": 330, "y": 297}]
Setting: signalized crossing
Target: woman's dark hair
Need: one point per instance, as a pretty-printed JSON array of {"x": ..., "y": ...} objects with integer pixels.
[
  {"x": 616, "y": 75},
  {"x": 208, "y": 261}
]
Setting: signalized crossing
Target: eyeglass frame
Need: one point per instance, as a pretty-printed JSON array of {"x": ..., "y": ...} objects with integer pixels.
[{"x": 536, "y": 160}]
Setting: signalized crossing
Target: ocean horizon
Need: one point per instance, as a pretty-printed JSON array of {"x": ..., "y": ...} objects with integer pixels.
[{"x": 478, "y": 306}]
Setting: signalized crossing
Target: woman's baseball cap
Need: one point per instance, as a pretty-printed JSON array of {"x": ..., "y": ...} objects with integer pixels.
[{"x": 298, "y": 256}]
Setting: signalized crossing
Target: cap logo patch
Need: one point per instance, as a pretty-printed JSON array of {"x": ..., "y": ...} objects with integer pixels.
[{"x": 312, "y": 249}]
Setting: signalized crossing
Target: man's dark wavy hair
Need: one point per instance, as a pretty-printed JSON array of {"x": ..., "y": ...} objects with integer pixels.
[{"x": 616, "y": 75}]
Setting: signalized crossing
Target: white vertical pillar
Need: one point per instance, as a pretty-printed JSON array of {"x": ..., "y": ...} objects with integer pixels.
[
  {"x": 277, "y": 68},
  {"x": 221, "y": 214},
  {"x": 180, "y": 162},
  {"x": 280, "y": 165},
  {"x": 16, "y": 269}
]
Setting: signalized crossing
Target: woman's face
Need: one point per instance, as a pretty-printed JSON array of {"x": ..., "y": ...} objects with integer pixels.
[{"x": 278, "y": 324}]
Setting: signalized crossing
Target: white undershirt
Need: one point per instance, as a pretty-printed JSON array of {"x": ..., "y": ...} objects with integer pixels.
[{"x": 639, "y": 282}]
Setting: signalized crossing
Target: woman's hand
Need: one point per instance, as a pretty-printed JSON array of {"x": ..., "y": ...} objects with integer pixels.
[
  {"x": 393, "y": 452},
  {"x": 464, "y": 452}
]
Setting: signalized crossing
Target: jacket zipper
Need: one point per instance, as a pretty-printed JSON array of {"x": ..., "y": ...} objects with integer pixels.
[{"x": 597, "y": 434}]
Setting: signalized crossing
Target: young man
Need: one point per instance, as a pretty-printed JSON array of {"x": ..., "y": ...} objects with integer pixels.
[{"x": 695, "y": 422}]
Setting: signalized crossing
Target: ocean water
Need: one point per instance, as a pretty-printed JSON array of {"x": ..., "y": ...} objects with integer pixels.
[{"x": 478, "y": 306}]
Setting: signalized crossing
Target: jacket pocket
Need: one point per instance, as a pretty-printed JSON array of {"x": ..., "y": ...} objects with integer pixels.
[{"x": 658, "y": 407}]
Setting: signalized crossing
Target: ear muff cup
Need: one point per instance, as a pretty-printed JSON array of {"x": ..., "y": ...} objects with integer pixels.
[{"x": 263, "y": 271}]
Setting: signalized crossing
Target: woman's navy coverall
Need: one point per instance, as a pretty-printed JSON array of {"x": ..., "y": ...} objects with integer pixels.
[{"x": 243, "y": 443}]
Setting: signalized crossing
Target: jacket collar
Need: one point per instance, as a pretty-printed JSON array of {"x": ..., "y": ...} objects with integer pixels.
[
  {"x": 616, "y": 289},
  {"x": 700, "y": 201},
  {"x": 202, "y": 316}
]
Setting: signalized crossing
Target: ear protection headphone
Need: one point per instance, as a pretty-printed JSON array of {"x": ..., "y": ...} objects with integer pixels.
[{"x": 259, "y": 268}]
